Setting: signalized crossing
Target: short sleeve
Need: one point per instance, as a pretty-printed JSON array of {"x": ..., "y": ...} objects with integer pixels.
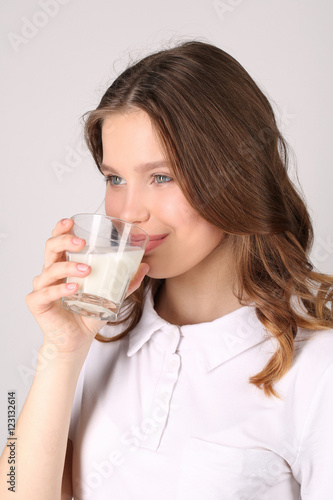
[{"x": 314, "y": 464}]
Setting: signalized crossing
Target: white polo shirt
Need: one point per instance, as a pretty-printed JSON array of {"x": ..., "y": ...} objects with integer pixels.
[{"x": 168, "y": 413}]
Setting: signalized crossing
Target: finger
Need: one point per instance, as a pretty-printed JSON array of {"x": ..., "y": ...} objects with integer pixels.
[
  {"x": 55, "y": 273},
  {"x": 137, "y": 278},
  {"x": 56, "y": 247},
  {"x": 63, "y": 226},
  {"x": 42, "y": 300}
]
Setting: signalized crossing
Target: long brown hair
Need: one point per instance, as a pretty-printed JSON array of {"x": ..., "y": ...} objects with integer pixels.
[{"x": 230, "y": 160}]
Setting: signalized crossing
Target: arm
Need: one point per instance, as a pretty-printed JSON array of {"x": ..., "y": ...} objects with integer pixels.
[
  {"x": 42, "y": 428},
  {"x": 67, "y": 486},
  {"x": 42, "y": 431}
]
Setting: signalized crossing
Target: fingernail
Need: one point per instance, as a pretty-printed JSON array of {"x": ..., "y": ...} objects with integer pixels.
[
  {"x": 82, "y": 267},
  {"x": 77, "y": 241},
  {"x": 71, "y": 286},
  {"x": 64, "y": 221}
]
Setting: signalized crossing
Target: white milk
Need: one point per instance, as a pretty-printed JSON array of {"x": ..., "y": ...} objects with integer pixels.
[{"x": 110, "y": 272}]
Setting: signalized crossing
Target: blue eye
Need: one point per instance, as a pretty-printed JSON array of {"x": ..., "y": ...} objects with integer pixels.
[
  {"x": 115, "y": 180},
  {"x": 161, "y": 179}
]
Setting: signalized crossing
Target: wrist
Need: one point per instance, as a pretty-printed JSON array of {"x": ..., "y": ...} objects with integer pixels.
[{"x": 49, "y": 355}]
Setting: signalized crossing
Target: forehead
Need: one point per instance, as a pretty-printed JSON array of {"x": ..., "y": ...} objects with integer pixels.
[
  {"x": 130, "y": 138},
  {"x": 131, "y": 122}
]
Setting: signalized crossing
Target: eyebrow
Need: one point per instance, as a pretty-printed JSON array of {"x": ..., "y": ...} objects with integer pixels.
[{"x": 142, "y": 168}]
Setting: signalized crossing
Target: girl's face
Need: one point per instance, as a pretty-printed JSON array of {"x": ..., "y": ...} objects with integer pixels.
[{"x": 140, "y": 189}]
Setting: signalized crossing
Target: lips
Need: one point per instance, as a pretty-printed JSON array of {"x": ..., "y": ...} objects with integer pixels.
[
  {"x": 137, "y": 238},
  {"x": 155, "y": 241}
]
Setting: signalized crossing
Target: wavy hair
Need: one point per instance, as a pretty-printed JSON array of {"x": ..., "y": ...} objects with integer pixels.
[{"x": 231, "y": 162}]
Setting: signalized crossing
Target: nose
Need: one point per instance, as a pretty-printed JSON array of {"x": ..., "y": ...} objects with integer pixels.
[{"x": 134, "y": 208}]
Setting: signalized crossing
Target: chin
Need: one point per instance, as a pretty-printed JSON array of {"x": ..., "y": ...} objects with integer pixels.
[
  {"x": 160, "y": 272},
  {"x": 156, "y": 272},
  {"x": 157, "y": 275}
]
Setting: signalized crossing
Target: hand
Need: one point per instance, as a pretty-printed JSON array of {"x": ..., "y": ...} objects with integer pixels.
[{"x": 66, "y": 331}]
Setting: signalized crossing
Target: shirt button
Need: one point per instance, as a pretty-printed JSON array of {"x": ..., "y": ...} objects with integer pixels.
[
  {"x": 164, "y": 397},
  {"x": 173, "y": 365}
]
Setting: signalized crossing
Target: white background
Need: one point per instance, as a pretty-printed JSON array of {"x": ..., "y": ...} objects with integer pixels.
[{"x": 58, "y": 60}]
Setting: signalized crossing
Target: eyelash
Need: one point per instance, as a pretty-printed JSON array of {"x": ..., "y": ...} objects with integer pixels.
[{"x": 110, "y": 178}]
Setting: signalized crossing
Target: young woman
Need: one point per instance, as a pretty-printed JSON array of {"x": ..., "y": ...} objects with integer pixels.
[{"x": 217, "y": 381}]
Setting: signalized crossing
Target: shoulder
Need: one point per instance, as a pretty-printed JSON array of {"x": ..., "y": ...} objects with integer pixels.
[
  {"x": 312, "y": 366},
  {"x": 314, "y": 348}
]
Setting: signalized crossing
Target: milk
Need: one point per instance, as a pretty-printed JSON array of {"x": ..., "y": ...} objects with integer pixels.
[{"x": 111, "y": 272}]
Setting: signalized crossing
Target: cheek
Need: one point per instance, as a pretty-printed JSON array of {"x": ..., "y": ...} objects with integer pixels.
[
  {"x": 177, "y": 208},
  {"x": 169, "y": 210},
  {"x": 112, "y": 204},
  {"x": 167, "y": 205},
  {"x": 198, "y": 229},
  {"x": 187, "y": 217}
]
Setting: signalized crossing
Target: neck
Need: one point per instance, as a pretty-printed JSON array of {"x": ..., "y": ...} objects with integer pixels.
[{"x": 203, "y": 294}]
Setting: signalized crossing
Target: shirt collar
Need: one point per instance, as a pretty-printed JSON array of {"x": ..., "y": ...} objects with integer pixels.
[
  {"x": 149, "y": 323},
  {"x": 212, "y": 343},
  {"x": 218, "y": 341}
]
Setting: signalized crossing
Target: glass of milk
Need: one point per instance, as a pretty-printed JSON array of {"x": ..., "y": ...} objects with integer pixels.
[{"x": 114, "y": 249}]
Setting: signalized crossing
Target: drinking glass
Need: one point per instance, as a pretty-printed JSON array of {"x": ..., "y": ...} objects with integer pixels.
[{"x": 114, "y": 249}]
